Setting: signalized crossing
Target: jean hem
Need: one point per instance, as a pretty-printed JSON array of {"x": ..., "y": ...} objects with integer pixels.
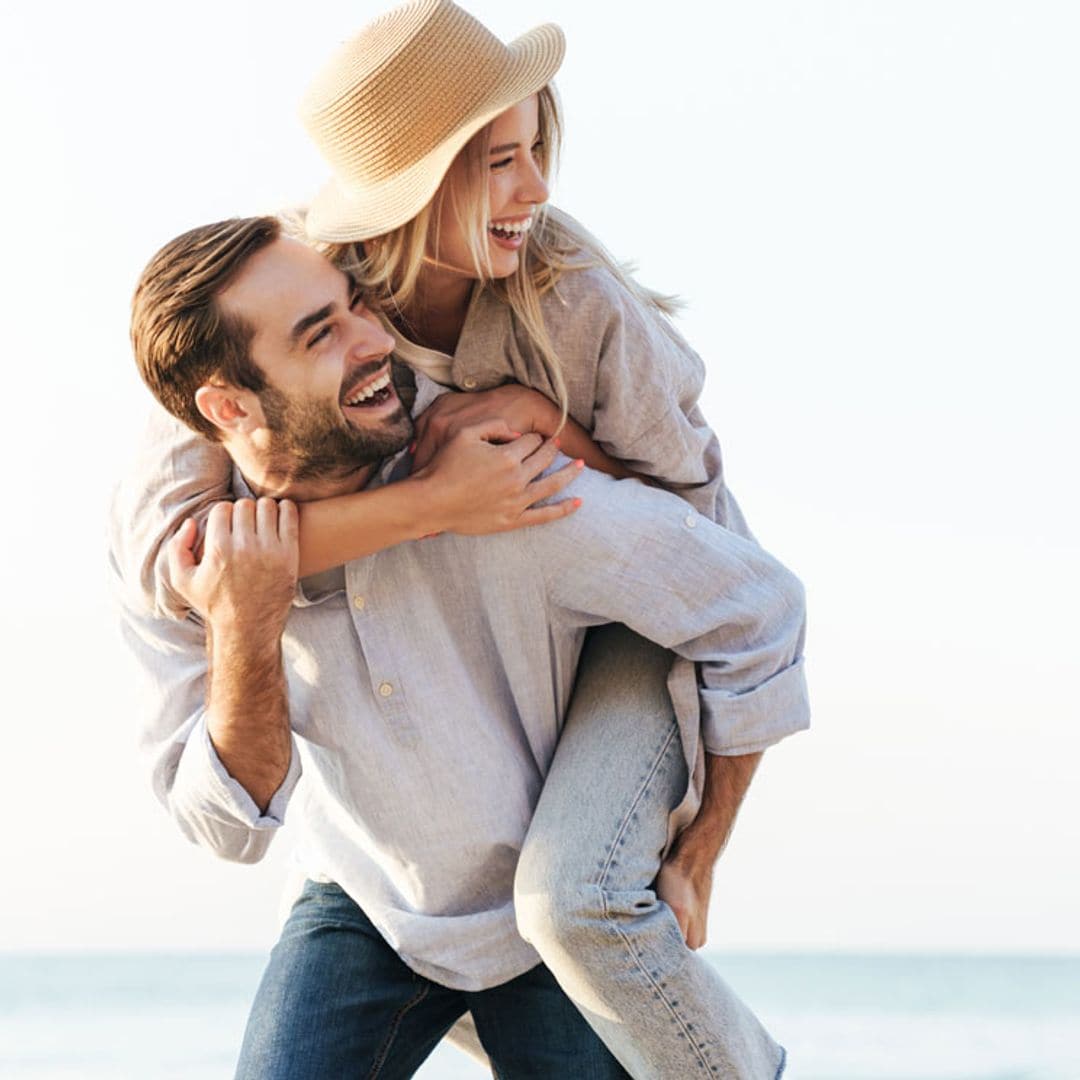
[{"x": 783, "y": 1064}]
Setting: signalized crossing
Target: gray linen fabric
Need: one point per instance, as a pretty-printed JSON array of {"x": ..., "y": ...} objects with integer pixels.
[{"x": 426, "y": 698}]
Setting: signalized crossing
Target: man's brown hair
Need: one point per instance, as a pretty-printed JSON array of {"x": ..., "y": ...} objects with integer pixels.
[{"x": 181, "y": 337}]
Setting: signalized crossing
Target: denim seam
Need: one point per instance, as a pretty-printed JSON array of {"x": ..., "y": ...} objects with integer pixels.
[
  {"x": 700, "y": 1052},
  {"x": 384, "y": 1051}
]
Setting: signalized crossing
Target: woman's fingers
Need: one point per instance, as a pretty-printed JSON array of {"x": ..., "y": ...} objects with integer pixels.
[
  {"x": 541, "y": 458},
  {"x": 525, "y": 447},
  {"x": 550, "y": 485},
  {"x": 538, "y": 515}
]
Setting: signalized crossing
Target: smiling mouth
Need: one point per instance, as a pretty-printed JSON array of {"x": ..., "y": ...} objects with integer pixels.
[
  {"x": 376, "y": 391},
  {"x": 510, "y": 230}
]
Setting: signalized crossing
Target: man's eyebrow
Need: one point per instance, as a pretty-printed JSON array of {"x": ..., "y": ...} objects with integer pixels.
[
  {"x": 505, "y": 146},
  {"x": 308, "y": 321}
]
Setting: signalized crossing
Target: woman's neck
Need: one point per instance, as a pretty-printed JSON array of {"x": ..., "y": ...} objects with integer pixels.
[{"x": 437, "y": 316}]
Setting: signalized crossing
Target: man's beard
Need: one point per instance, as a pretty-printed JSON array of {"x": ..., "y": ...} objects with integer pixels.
[{"x": 313, "y": 441}]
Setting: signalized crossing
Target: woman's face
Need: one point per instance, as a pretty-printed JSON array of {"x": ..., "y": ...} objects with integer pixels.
[{"x": 515, "y": 187}]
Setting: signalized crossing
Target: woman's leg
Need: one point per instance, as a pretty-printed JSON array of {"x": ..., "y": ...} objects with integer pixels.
[{"x": 583, "y": 890}]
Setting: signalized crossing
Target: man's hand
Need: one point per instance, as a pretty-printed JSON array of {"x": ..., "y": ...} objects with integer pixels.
[
  {"x": 487, "y": 479},
  {"x": 243, "y": 586},
  {"x": 685, "y": 879},
  {"x": 521, "y": 409},
  {"x": 246, "y": 576},
  {"x": 685, "y": 886}
]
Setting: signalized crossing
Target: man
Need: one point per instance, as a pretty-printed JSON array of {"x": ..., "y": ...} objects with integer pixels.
[{"x": 426, "y": 684}]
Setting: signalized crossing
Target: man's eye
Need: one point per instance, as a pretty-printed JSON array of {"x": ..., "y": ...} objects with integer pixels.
[{"x": 318, "y": 337}]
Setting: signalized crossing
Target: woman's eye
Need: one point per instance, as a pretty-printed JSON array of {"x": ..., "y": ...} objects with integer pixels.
[
  {"x": 537, "y": 146},
  {"x": 501, "y": 164}
]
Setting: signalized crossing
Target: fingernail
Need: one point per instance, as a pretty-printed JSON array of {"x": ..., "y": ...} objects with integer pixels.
[
  {"x": 580, "y": 463},
  {"x": 412, "y": 448},
  {"x": 558, "y": 443},
  {"x": 516, "y": 434},
  {"x": 577, "y": 503}
]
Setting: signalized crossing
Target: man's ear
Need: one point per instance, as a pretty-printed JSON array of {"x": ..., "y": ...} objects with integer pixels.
[{"x": 232, "y": 410}]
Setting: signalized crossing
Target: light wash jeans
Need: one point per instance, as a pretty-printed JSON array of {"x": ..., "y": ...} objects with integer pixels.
[{"x": 584, "y": 888}]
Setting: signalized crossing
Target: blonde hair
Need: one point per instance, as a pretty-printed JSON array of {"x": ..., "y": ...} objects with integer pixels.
[{"x": 387, "y": 269}]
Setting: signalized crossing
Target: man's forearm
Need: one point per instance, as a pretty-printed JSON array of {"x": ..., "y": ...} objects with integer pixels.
[
  {"x": 248, "y": 712},
  {"x": 726, "y": 782}
]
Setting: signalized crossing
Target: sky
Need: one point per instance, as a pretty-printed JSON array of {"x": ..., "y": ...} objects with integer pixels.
[{"x": 870, "y": 212}]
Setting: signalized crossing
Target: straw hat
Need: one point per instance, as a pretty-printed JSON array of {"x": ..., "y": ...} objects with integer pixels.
[{"x": 397, "y": 102}]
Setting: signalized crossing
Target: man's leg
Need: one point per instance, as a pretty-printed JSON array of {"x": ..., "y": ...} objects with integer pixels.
[
  {"x": 584, "y": 894},
  {"x": 532, "y": 1031},
  {"x": 336, "y": 1001}
]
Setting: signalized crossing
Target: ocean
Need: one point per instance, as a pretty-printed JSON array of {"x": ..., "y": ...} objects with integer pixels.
[{"x": 866, "y": 1017}]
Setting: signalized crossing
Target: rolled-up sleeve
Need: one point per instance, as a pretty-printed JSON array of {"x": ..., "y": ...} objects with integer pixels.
[
  {"x": 211, "y": 808},
  {"x": 641, "y": 556}
]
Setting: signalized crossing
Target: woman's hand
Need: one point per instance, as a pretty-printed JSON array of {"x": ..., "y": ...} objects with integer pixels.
[
  {"x": 486, "y": 479},
  {"x": 522, "y": 409}
]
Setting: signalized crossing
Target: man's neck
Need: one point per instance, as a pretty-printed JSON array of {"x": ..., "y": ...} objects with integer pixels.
[{"x": 264, "y": 480}]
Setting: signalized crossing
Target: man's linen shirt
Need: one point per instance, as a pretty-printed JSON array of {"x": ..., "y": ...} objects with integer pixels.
[{"x": 427, "y": 696}]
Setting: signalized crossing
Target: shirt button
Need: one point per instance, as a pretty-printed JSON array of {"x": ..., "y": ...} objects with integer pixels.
[
  {"x": 358, "y": 603},
  {"x": 469, "y": 383},
  {"x": 385, "y": 689},
  {"x": 690, "y": 521}
]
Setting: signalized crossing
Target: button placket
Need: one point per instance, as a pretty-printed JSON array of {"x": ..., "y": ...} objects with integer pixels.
[{"x": 382, "y": 657}]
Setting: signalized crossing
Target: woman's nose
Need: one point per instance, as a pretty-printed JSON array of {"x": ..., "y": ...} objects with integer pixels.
[{"x": 534, "y": 188}]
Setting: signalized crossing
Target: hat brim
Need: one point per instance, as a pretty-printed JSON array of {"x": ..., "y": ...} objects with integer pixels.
[{"x": 342, "y": 214}]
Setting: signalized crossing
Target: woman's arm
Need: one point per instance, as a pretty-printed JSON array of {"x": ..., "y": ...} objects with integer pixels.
[
  {"x": 523, "y": 410},
  {"x": 483, "y": 480}
]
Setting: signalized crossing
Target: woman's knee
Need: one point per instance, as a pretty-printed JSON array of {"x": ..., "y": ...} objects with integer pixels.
[{"x": 553, "y": 902}]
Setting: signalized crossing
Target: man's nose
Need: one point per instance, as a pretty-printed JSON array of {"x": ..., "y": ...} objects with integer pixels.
[{"x": 370, "y": 339}]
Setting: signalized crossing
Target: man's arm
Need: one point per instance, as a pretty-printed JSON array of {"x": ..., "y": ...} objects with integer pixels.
[
  {"x": 243, "y": 587},
  {"x": 486, "y": 481},
  {"x": 685, "y": 880},
  {"x": 191, "y": 779}
]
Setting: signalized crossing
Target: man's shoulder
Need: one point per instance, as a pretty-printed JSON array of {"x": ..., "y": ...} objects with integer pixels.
[{"x": 613, "y": 516}]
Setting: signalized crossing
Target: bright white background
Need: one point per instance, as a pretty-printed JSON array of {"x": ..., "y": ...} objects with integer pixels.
[{"x": 871, "y": 210}]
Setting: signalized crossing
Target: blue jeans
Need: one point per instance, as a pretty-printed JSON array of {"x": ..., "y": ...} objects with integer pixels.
[
  {"x": 336, "y": 1001},
  {"x": 584, "y": 892}
]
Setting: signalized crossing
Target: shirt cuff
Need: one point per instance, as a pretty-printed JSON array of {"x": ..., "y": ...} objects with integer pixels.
[
  {"x": 201, "y": 774},
  {"x": 749, "y": 722}
]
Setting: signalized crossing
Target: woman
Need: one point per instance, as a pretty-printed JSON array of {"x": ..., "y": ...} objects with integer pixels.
[{"x": 442, "y": 141}]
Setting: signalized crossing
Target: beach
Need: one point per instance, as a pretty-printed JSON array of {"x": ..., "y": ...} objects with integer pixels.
[{"x": 841, "y": 1017}]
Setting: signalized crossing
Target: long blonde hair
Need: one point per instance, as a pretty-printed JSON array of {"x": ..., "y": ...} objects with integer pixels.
[{"x": 387, "y": 269}]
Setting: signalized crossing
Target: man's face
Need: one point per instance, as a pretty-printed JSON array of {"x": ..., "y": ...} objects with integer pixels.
[{"x": 330, "y": 406}]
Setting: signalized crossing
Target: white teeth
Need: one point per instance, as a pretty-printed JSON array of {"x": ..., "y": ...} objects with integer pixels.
[
  {"x": 512, "y": 226},
  {"x": 369, "y": 391}
]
